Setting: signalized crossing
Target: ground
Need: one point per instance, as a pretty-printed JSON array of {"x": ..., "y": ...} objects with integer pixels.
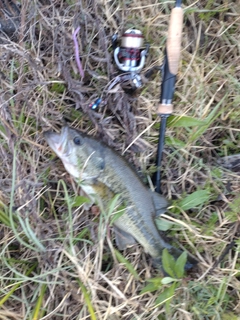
[{"x": 58, "y": 260}]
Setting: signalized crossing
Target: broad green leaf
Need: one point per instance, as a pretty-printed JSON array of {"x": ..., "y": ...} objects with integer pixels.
[
  {"x": 171, "y": 291},
  {"x": 163, "y": 224},
  {"x": 126, "y": 263},
  {"x": 151, "y": 287},
  {"x": 155, "y": 284},
  {"x": 168, "y": 262},
  {"x": 166, "y": 297},
  {"x": 184, "y": 121},
  {"x": 168, "y": 280},
  {"x": 79, "y": 200},
  {"x": 156, "y": 280},
  {"x": 172, "y": 141},
  {"x": 180, "y": 264},
  {"x": 195, "y": 199}
]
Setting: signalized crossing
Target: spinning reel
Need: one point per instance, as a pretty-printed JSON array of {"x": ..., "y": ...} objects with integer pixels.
[{"x": 130, "y": 58}]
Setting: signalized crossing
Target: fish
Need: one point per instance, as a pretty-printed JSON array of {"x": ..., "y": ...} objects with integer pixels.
[{"x": 103, "y": 173}]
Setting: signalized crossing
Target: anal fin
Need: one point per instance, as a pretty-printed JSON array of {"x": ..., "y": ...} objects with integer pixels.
[{"x": 123, "y": 239}]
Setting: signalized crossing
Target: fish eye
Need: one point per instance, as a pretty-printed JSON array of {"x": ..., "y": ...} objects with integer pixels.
[{"x": 77, "y": 141}]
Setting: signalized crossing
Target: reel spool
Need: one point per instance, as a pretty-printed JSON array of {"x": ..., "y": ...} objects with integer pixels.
[{"x": 130, "y": 56}]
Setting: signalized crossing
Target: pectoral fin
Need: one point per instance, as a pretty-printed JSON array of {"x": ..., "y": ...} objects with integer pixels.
[
  {"x": 160, "y": 203},
  {"x": 123, "y": 239}
]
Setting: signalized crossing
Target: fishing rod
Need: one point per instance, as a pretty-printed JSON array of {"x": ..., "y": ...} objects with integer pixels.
[{"x": 169, "y": 72}]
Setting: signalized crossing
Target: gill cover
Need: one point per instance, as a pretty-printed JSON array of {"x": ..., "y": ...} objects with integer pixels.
[{"x": 81, "y": 156}]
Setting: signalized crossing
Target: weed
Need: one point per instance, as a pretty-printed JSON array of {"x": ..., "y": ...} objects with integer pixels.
[{"x": 57, "y": 260}]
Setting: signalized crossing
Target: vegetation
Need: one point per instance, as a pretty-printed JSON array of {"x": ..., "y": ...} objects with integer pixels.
[{"x": 58, "y": 258}]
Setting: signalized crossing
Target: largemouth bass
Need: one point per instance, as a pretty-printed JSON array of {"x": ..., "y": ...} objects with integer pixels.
[{"x": 102, "y": 173}]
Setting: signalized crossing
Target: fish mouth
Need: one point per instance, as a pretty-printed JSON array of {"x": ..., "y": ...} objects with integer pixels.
[{"x": 58, "y": 141}]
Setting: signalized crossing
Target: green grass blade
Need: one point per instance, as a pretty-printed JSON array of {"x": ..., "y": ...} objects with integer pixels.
[
  {"x": 33, "y": 237},
  {"x": 4, "y": 218},
  {"x": 166, "y": 297},
  {"x": 11, "y": 215},
  {"x": 214, "y": 114},
  {"x": 87, "y": 300},
  {"x": 14, "y": 288},
  {"x": 184, "y": 121},
  {"x": 126, "y": 263},
  {"x": 37, "y": 313}
]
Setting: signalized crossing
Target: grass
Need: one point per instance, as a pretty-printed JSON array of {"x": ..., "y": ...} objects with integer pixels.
[{"x": 58, "y": 259}]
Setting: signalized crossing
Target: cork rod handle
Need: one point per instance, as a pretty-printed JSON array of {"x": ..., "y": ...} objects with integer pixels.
[{"x": 174, "y": 39}]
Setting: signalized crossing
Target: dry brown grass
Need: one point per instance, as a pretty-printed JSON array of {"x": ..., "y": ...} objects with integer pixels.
[{"x": 41, "y": 88}]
